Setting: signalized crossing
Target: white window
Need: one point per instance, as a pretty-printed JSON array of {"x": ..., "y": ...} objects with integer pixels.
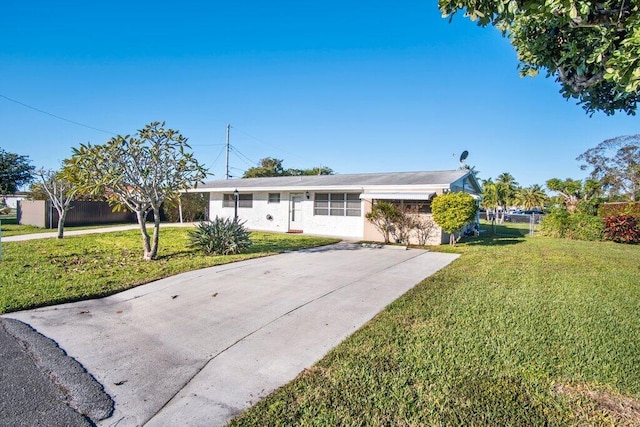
[
  {"x": 274, "y": 197},
  {"x": 244, "y": 200},
  {"x": 337, "y": 204}
]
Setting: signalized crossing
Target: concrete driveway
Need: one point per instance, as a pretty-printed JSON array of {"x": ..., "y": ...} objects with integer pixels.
[{"x": 201, "y": 347}]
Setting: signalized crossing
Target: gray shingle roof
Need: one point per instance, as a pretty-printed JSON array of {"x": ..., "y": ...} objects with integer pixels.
[{"x": 426, "y": 178}]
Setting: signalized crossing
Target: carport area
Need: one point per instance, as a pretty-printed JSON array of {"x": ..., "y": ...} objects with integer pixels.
[{"x": 201, "y": 347}]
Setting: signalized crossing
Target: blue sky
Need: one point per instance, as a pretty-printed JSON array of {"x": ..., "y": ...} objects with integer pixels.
[{"x": 356, "y": 86}]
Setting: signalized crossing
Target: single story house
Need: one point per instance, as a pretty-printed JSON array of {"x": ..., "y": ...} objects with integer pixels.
[
  {"x": 11, "y": 200},
  {"x": 332, "y": 205}
]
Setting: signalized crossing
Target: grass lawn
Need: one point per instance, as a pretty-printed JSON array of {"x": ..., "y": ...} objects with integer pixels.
[
  {"x": 10, "y": 227},
  {"x": 517, "y": 331},
  {"x": 49, "y": 271}
]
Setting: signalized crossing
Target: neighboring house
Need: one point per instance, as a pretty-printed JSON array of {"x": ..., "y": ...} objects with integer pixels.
[
  {"x": 11, "y": 200},
  {"x": 331, "y": 205}
]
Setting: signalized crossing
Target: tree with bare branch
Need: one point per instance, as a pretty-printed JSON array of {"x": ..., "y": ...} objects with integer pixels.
[{"x": 137, "y": 172}]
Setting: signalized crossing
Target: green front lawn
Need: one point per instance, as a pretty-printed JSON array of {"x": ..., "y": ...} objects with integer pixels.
[
  {"x": 11, "y": 228},
  {"x": 517, "y": 331},
  {"x": 49, "y": 271}
]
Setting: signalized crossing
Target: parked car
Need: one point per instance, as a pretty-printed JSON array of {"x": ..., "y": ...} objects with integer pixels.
[{"x": 525, "y": 216}]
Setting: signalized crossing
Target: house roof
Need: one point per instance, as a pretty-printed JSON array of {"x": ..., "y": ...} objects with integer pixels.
[{"x": 408, "y": 180}]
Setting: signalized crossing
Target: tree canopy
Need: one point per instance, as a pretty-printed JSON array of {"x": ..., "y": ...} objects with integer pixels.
[
  {"x": 530, "y": 197},
  {"x": 452, "y": 211},
  {"x": 270, "y": 166},
  {"x": 15, "y": 171},
  {"x": 383, "y": 215},
  {"x": 615, "y": 164},
  {"x": 592, "y": 48},
  {"x": 138, "y": 172},
  {"x": 574, "y": 191},
  {"x": 59, "y": 191}
]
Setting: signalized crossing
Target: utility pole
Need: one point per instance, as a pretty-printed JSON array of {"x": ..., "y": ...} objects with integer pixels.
[{"x": 228, "y": 131}]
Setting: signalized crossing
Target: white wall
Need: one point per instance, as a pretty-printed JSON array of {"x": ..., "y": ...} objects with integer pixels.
[
  {"x": 256, "y": 217},
  {"x": 11, "y": 201}
]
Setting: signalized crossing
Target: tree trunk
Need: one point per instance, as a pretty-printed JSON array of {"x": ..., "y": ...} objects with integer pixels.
[
  {"x": 61, "y": 217},
  {"x": 156, "y": 233},
  {"x": 146, "y": 243}
]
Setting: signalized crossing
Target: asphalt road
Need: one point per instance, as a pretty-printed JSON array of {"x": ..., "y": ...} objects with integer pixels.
[{"x": 41, "y": 386}]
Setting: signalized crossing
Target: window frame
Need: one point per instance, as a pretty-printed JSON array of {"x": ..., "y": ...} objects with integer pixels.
[
  {"x": 273, "y": 200},
  {"x": 337, "y": 204},
  {"x": 245, "y": 200}
]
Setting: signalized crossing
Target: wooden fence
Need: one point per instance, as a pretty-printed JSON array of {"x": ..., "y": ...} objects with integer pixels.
[{"x": 42, "y": 214}]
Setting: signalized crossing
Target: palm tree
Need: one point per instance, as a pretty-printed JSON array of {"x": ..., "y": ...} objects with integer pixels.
[
  {"x": 489, "y": 196},
  {"x": 494, "y": 196},
  {"x": 508, "y": 189},
  {"x": 530, "y": 197}
]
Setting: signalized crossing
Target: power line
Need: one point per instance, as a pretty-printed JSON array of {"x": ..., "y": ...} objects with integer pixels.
[
  {"x": 269, "y": 144},
  {"x": 55, "y": 116},
  {"x": 218, "y": 156},
  {"x": 273, "y": 146},
  {"x": 242, "y": 157}
]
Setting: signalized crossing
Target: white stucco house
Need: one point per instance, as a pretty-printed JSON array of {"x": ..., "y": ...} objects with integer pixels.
[{"x": 331, "y": 205}]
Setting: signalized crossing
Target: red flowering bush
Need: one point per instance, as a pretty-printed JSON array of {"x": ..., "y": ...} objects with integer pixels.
[{"x": 622, "y": 229}]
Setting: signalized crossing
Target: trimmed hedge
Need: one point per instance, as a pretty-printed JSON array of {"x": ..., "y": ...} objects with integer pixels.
[
  {"x": 607, "y": 210},
  {"x": 575, "y": 225}
]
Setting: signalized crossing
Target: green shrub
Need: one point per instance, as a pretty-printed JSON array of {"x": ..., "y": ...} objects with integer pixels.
[
  {"x": 222, "y": 236},
  {"x": 622, "y": 229},
  {"x": 452, "y": 211},
  {"x": 583, "y": 226},
  {"x": 555, "y": 224},
  {"x": 383, "y": 215},
  {"x": 577, "y": 225}
]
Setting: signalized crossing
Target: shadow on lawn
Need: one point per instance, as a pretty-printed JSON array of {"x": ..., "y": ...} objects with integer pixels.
[
  {"x": 492, "y": 241},
  {"x": 8, "y": 220}
]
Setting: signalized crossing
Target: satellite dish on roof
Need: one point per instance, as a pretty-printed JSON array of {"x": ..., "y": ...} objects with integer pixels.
[{"x": 464, "y": 156}]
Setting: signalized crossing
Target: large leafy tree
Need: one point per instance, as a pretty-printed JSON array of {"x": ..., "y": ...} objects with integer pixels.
[
  {"x": 137, "y": 172},
  {"x": 591, "y": 47},
  {"x": 615, "y": 164},
  {"x": 15, "y": 171},
  {"x": 574, "y": 191},
  {"x": 270, "y": 166},
  {"x": 321, "y": 170},
  {"x": 452, "y": 211}
]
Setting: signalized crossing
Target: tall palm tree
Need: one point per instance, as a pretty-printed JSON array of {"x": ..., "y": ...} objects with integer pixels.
[
  {"x": 489, "y": 196},
  {"x": 494, "y": 196},
  {"x": 508, "y": 186}
]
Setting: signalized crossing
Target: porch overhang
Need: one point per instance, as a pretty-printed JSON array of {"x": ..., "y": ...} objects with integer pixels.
[{"x": 396, "y": 195}]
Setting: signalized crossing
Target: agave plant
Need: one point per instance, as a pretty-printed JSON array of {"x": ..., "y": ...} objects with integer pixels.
[{"x": 222, "y": 236}]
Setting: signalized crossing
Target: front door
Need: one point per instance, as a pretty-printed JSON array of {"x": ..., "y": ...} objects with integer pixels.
[{"x": 295, "y": 223}]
